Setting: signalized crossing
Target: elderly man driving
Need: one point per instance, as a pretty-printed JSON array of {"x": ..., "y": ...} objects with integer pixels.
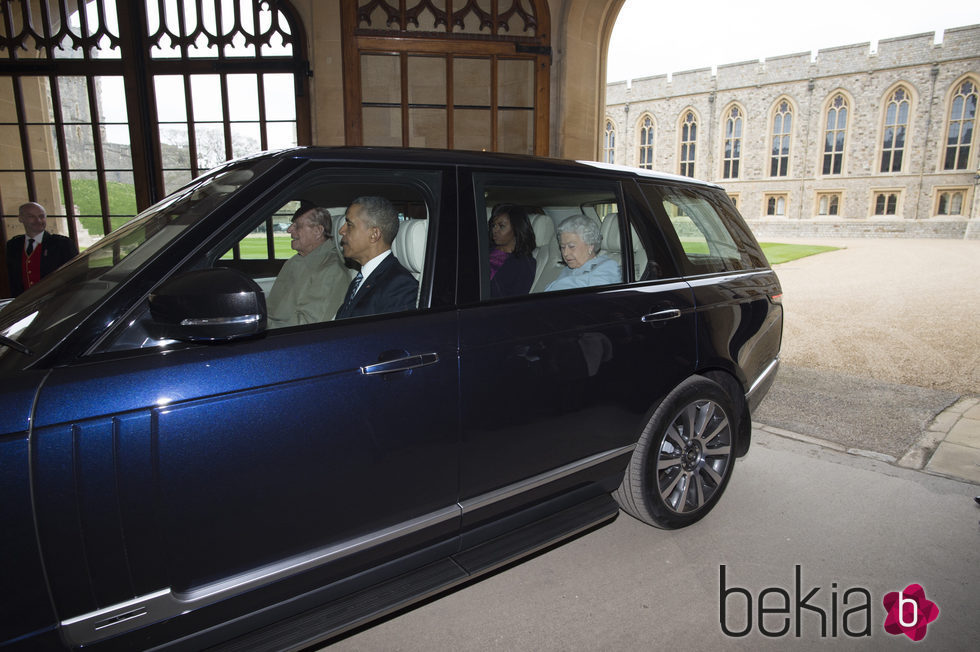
[{"x": 310, "y": 287}]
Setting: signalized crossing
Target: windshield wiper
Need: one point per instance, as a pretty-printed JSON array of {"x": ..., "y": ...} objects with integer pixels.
[{"x": 15, "y": 345}]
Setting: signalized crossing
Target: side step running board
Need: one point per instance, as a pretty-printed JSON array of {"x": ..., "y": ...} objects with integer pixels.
[{"x": 335, "y": 618}]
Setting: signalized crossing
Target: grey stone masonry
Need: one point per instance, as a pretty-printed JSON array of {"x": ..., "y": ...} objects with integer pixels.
[{"x": 918, "y": 74}]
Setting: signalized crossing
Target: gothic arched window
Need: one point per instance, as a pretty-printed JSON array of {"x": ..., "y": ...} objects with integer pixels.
[
  {"x": 959, "y": 132},
  {"x": 896, "y": 128},
  {"x": 124, "y": 102},
  {"x": 689, "y": 139},
  {"x": 733, "y": 143},
  {"x": 646, "y": 142},
  {"x": 609, "y": 143},
  {"x": 834, "y": 136},
  {"x": 782, "y": 129}
]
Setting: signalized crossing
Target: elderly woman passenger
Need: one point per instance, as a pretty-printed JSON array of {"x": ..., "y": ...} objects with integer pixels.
[{"x": 580, "y": 239}]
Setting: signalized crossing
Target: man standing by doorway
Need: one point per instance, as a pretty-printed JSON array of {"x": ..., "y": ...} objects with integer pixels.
[{"x": 37, "y": 253}]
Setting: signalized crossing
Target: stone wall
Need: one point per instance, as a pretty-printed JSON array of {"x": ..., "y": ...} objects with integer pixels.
[{"x": 928, "y": 71}]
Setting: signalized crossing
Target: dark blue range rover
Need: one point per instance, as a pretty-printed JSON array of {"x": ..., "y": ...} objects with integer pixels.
[{"x": 204, "y": 441}]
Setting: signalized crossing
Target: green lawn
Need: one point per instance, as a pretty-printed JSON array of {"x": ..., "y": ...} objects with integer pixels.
[
  {"x": 783, "y": 253},
  {"x": 122, "y": 203},
  {"x": 254, "y": 247}
]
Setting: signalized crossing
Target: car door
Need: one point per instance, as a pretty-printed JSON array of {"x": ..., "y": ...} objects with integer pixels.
[
  {"x": 172, "y": 479},
  {"x": 556, "y": 386}
]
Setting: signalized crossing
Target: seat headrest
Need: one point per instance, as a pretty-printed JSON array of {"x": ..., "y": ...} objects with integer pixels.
[
  {"x": 544, "y": 229},
  {"x": 611, "y": 240},
  {"x": 409, "y": 244},
  {"x": 336, "y": 223}
]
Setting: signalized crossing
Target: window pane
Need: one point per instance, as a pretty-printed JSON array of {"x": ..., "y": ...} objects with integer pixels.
[
  {"x": 280, "y": 97},
  {"x": 471, "y": 82},
  {"x": 427, "y": 128},
  {"x": 111, "y": 99},
  {"x": 87, "y": 200},
  {"x": 515, "y": 83},
  {"x": 74, "y": 99},
  {"x": 210, "y": 139},
  {"x": 382, "y": 126},
  {"x": 174, "y": 146},
  {"x": 14, "y": 186},
  {"x": 169, "y": 91},
  {"x": 122, "y": 196},
  {"x": 43, "y": 142},
  {"x": 515, "y": 132},
  {"x": 206, "y": 95},
  {"x": 246, "y": 138},
  {"x": 280, "y": 134},
  {"x": 427, "y": 80},
  {"x": 471, "y": 130},
  {"x": 243, "y": 97},
  {"x": 13, "y": 154},
  {"x": 380, "y": 79},
  {"x": 81, "y": 155}
]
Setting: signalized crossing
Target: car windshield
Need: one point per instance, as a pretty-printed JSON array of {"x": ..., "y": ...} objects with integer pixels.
[{"x": 44, "y": 314}]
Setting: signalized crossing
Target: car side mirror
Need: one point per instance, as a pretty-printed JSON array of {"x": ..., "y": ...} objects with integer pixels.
[{"x": 208, "y": 305}]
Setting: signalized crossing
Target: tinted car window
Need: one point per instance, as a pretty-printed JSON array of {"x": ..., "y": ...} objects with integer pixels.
[
  {"x": 259, "y": 245},
  {"x": 587, "y": 212},
  {"x": 706, "y": 232}
]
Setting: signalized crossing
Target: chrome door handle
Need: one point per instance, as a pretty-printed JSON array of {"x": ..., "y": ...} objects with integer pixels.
[
  {"x": 401, "y": 364},
  {"x": 662, "y": 315}
]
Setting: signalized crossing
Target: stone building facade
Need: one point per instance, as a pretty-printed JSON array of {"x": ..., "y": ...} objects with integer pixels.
[{"x": 850, "y": 142}]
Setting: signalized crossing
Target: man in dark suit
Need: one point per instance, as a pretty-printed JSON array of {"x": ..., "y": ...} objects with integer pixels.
[
  {"x": 36, "y": 254},
  {"x": 382, "y": 285}
]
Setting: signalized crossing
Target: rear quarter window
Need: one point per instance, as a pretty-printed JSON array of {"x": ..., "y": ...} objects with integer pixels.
[{"x": 703, "y": 229}]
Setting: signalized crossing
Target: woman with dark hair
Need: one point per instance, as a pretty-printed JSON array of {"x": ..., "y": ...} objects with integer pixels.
[{"x": 512, "y": 243}]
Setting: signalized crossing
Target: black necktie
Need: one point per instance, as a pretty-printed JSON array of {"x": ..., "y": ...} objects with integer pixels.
[
  {"x": 356, "y": 283},
  {"x": 30, "y": 246}
]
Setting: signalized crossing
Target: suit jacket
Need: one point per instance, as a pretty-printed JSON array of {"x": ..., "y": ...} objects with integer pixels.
[
  {"x": 56, "y": 250},
  {"x": 389, "y": 288}
]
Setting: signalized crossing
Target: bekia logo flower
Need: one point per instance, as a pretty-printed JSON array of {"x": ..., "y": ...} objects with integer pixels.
[{"x": 909, "y": 612}]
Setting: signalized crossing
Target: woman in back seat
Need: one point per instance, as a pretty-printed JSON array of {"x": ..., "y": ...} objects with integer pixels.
[
  {"x": 512, "y": 243},
  {"x": 580, "y": 238}
]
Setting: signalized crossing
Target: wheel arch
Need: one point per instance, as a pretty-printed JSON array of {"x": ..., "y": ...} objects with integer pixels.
[{"x": 736, "y": 391}]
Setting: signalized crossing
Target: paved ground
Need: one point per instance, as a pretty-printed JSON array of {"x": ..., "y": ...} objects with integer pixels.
[
  {"x": 881, "y": 352},
  {"x": 849, "y": 522},
  {"x": 895, "y": 310}
]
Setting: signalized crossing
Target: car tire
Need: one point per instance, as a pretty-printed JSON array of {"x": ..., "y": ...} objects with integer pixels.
[{"x": 684, "y": 458}]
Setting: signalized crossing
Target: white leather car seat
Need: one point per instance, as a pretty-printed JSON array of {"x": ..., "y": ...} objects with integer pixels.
[
  {"x": 612, "y": 245},
  {"x": 337, "y": 223},
  {"x": 409, "y": 246},
  {"x": 544, "y": 254}
]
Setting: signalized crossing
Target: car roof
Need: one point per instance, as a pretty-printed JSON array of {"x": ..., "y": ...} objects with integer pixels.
[{"x": 477, "y": 159}]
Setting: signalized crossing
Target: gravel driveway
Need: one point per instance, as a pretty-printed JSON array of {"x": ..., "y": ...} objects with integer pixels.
[{"x": 879, "y": 337}]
